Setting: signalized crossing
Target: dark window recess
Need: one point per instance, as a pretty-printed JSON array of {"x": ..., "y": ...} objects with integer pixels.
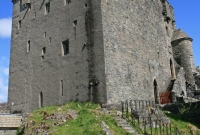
[
  {"x": 65, "y": 47},
  {"x": 42, "y": 57},
  {"x": 19, "y": 24},
  {"x": 28, "y": 46},
  {"x": 29, "y": 7},
  {"x": 68, "y": 1},
  {"x": 45, "y": 34},
  {"x": 40, "y": 100},
  {"x": 47, "y": 8},
  {"x": 43, "y": 52},
  {"x": 75, "y": 23},
  {"x": 62, "y": 91}
]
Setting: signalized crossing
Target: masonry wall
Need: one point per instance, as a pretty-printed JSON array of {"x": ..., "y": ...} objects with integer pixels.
[
  {"x": 137, "y": 49},
  {"x": 183, "y": 54},
  {"x": 42, "y": 79}
]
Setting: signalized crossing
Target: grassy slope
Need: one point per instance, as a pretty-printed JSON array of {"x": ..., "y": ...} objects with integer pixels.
[
  {"x": 88, "y": 121},
  {"x": 184, "y": 123}
]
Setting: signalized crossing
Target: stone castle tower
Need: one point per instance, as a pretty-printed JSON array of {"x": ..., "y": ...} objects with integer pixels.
[{"x": 103, "y": 51}]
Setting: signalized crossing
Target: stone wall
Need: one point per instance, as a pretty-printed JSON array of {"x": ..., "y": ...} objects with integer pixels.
[
  {"x": 179, "y": 84},
  {"x": 183, "y": 55},
  {"x": 40, "y": 75},
  {"x": 117, "y": 50},
  {"x": 137, "y": 49},
  {"x": 8, "y": 132}
]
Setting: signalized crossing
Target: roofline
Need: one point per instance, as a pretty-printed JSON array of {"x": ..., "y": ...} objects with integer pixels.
[
  {"x": 181, "y": 39},
  {"x": 13, "y": 1}
]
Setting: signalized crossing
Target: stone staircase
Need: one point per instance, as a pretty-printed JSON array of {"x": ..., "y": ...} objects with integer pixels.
[{"x": 125, "y": 125}]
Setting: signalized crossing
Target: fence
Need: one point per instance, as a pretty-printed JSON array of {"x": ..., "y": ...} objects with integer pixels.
[{"x": 147, "y": 124}]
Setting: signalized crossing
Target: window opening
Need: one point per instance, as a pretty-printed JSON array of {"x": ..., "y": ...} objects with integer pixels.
[
  {"x": 61, "y": 83},
  {"x": 29, "y": 7},
  {"x": 172, "y": 70},
  {"x": 68, "y": 1},
  {"x": 47, "y": 8},
  {"x": 75, "y": 23},
  {"x": 45, "y": 34},
  {"x": 43, "y": 52},
  {"x": 155, "y": 91},
  {"x": 40, "y": 100},
  {"x": 65, "y": 47},
  {"x": 19, "y": 24},
  {"x": 28, "y": 46}
]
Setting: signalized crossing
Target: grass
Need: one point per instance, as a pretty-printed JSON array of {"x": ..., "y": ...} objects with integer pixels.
[
  {"x": 88, "y": 121},
  {"x": 184, "y": 124}
]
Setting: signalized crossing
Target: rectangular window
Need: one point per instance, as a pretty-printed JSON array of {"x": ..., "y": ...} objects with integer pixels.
[
  {"x": 29, "y": 6},
  {"x": 47, "y": 8},
  {"x": 45, "y": 34},
  {"x": 19, "y": 24},
  {"x": 61, "y": 86},
  {"x": 28, "y": 46},
  {"x": 75, "y": 23},
  {"x": 67, "y": 2},
  {"x": 65, "y": 47},
  {"x": 43, "y": 50}
]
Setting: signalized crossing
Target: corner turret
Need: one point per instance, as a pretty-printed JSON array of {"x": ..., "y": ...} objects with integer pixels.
[{"x": 183, "y": 53}]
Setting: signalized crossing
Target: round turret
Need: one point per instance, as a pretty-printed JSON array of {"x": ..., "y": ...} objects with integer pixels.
[{"x": 183, "y": 53}]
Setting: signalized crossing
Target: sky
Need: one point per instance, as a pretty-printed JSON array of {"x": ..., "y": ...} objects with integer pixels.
[{"x": 186, "y": 15}]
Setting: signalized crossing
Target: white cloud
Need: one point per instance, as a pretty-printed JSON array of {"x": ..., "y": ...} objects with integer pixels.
[
  {"x": 5, "y": 27},
  {"x": 4, "y": 71},
  {"x": 3, "y": 98}
]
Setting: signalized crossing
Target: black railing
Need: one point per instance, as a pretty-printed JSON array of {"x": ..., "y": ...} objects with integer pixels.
[{"x": 147, "y": 124}]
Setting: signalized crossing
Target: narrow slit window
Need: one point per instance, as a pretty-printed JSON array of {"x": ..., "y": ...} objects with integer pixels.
[
  {"x": 167, "y": 31},
  {"x": 43, "y": 52},
  {"x": 65, "y": 47},
  {"x": 61, "y": 85},
  {"x": 28, "y": 46},
  {"x": 47, "y": 8},
  {"x": 19, "y": 24},
  {"x": 45, "y": 34},
  {"x": 29, "y": 7}
]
